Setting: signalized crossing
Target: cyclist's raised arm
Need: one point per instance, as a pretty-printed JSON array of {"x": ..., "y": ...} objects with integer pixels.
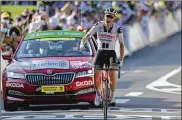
[
  {"x": 94, "y": 29},
  {"x": 121, "y": 41}
]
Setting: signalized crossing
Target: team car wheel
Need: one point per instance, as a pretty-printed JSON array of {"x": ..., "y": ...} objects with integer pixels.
[
  {"x": 25, "y": 106},
  {"x": 10, "y": 106},
  {"x": 92, "y": 103}
]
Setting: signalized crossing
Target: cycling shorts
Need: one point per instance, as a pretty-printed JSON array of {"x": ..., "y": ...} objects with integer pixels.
[{"x": 103, "y": 56}]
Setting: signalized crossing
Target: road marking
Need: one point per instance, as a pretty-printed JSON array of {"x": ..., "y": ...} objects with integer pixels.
[
  {"x": 134, "y": 94},
  {"x": 165, "y": 117},
  {"x": 172, "y": 89},
  {"x": 88, "y": 116},
  {"x": 138, "y": 71},
  {"x": 163, "y": 82},
  {"x": 111, "y": 109},
  {"x": 121, "y": 101}
]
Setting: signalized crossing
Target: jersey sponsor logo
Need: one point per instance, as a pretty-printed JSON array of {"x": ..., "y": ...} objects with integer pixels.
[
  {"x": 84, "y": 83},
  {"x": 43, "y": 64},
  {"x": 15, "y": 85},
  {"x": 107, "y": 36}
]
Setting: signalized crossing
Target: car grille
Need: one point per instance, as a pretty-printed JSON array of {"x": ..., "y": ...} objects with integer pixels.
[{"x": 38, "y": 79}]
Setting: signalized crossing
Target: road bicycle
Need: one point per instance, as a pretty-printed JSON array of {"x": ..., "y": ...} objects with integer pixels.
[{"x": 105, "y": 83}]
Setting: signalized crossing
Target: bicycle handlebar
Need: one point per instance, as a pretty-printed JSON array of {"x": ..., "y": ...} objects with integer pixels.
[
  {"x": 111, "y": 69},
  {"x": 107, "y": 69},
  {"x": 119, "y": 72},
  {"x": 118, "y": 62}
]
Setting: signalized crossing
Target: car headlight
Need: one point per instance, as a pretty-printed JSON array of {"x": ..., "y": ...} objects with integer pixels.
[
  {"x": 15, "y": 75},
  {"x": 84, "y": 73}
]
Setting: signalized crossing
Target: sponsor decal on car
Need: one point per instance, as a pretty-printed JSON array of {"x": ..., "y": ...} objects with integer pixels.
[
  {"x": 41, "y": 34},
  {"x": 19, "y": 67},
  {"x": 43, "y": 64},
  {"x": 84, "y": 83},
  {"x": 52, "y": 89},
  {"x": 15, "y": 85},
  {"x": 12, "y": 92},
  {"x": 79, "y": 65},
  {"x": 89, "y": 90},
  {"x": 54, "y": 33}
]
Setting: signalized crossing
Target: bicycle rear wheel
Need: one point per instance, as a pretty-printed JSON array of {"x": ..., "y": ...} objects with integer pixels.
[{"x": 105, "y": 97}]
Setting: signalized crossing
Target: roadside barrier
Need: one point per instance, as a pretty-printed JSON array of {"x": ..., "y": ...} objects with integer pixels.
[
  {"x": 136, "y": 38},
  {"x": 155, "y": 32},
  {"x": 178, "y": 17},
  {"x": 171, "y": 25},
  {"x": 118, "y": 48}
]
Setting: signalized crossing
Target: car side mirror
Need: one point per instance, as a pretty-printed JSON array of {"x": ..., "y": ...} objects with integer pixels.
[{"x": 6, "y": 55}]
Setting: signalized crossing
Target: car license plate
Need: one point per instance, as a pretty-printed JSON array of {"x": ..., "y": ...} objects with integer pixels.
[{"x": 52, "y": 89}]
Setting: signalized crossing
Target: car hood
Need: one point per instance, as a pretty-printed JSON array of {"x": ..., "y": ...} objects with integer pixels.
[{"x": 59, "y": 64}]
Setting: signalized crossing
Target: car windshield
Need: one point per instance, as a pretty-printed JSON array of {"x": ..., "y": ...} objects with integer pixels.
[{"x": 52, "y": 47}]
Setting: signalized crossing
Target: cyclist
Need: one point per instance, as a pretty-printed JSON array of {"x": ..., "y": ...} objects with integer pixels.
[{"x": 107, "y": 34}]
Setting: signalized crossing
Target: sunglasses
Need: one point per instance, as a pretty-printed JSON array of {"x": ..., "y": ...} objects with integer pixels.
[{"x": 110, "y": 16}]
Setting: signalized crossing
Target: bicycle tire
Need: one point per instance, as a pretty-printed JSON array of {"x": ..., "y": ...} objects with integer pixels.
[{"x": 105, "y": 98}]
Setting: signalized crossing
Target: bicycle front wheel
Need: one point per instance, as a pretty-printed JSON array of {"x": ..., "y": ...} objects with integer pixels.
[{"x": 105, "y": 98}]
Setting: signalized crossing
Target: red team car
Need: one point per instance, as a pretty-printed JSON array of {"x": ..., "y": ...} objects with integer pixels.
[{"x": 48, "y": 68}]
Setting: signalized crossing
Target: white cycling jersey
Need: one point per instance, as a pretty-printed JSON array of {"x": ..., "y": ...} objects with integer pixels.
[{"x": 106, "y": 38}]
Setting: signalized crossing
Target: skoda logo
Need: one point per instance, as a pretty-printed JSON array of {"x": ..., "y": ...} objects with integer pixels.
[
  {"x": 60, "y": 33},
  {"x": 49, "y": 71},
  {"x": 32, "y": 35}
]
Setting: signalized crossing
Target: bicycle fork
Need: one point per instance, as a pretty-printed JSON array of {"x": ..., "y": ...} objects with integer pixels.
[{"x": 108, "y": 80}]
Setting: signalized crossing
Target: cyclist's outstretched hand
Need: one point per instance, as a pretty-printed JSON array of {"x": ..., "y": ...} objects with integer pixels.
[
  {"x": 121, "y": 63},
  {"x": 82, "y": 48}
]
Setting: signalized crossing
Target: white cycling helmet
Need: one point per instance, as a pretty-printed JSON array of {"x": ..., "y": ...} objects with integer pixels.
[{"x": 110, "y": 10}]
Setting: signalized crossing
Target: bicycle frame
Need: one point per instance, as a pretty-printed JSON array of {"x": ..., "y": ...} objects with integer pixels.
[
  {"x": 106, "y": 78},
  {"x": 105, "y": 95},
  {"x": 105, "y": 85}
]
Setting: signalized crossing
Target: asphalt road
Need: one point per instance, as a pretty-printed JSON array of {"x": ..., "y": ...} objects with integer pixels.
[{"x": 149, "y": 89}]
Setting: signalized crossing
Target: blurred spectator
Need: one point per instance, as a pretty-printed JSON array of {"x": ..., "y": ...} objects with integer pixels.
[
  {"x": 40, "y": 22},
  {"x": 54, "y": 20},
  {"x": 89, "y": 21},
  {"x": 85, "y": 7},
  {"x": 63, "y": 23},
  {"x": 80, "y": 16},
  {"x": 4, "y": 36},
  {"x": 66, "y": 10},
  {"x": 71, "y": 18}
]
